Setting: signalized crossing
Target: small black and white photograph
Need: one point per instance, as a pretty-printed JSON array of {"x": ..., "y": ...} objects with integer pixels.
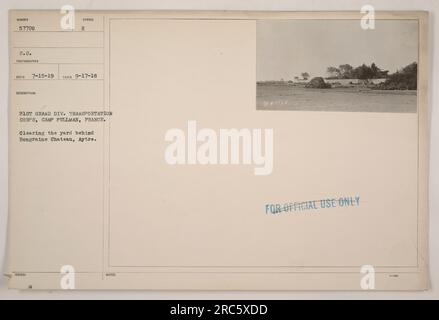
[{"x": 337, "y": 65}]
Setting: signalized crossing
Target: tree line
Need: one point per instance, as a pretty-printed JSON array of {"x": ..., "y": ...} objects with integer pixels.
[
  {"x": 364, "y": 72},
  {"x": 403, "y": 79}
]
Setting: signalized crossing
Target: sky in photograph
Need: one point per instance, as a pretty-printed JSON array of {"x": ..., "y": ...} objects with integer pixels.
[{"x": 286, "y": 48}]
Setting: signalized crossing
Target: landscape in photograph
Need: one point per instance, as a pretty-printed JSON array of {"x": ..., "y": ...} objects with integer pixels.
[{"x": 335, "y": 65}]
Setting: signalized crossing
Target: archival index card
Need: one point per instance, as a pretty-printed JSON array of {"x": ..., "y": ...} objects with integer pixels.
[{"x": 218, "y": 150}]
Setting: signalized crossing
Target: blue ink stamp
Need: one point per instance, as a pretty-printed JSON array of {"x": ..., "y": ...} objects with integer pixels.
[{"x": 312, "y": 205}]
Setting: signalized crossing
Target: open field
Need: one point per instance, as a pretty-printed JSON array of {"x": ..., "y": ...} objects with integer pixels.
[{"x": 355, "y": 99}]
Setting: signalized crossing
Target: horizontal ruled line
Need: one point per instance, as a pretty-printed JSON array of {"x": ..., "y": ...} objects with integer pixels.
[
  {"x": 58, "y": 47},
  {"x": 58, "y": 79},
  {"x": 59, "y": 63},
  {"x": 65, "y": 31}
]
